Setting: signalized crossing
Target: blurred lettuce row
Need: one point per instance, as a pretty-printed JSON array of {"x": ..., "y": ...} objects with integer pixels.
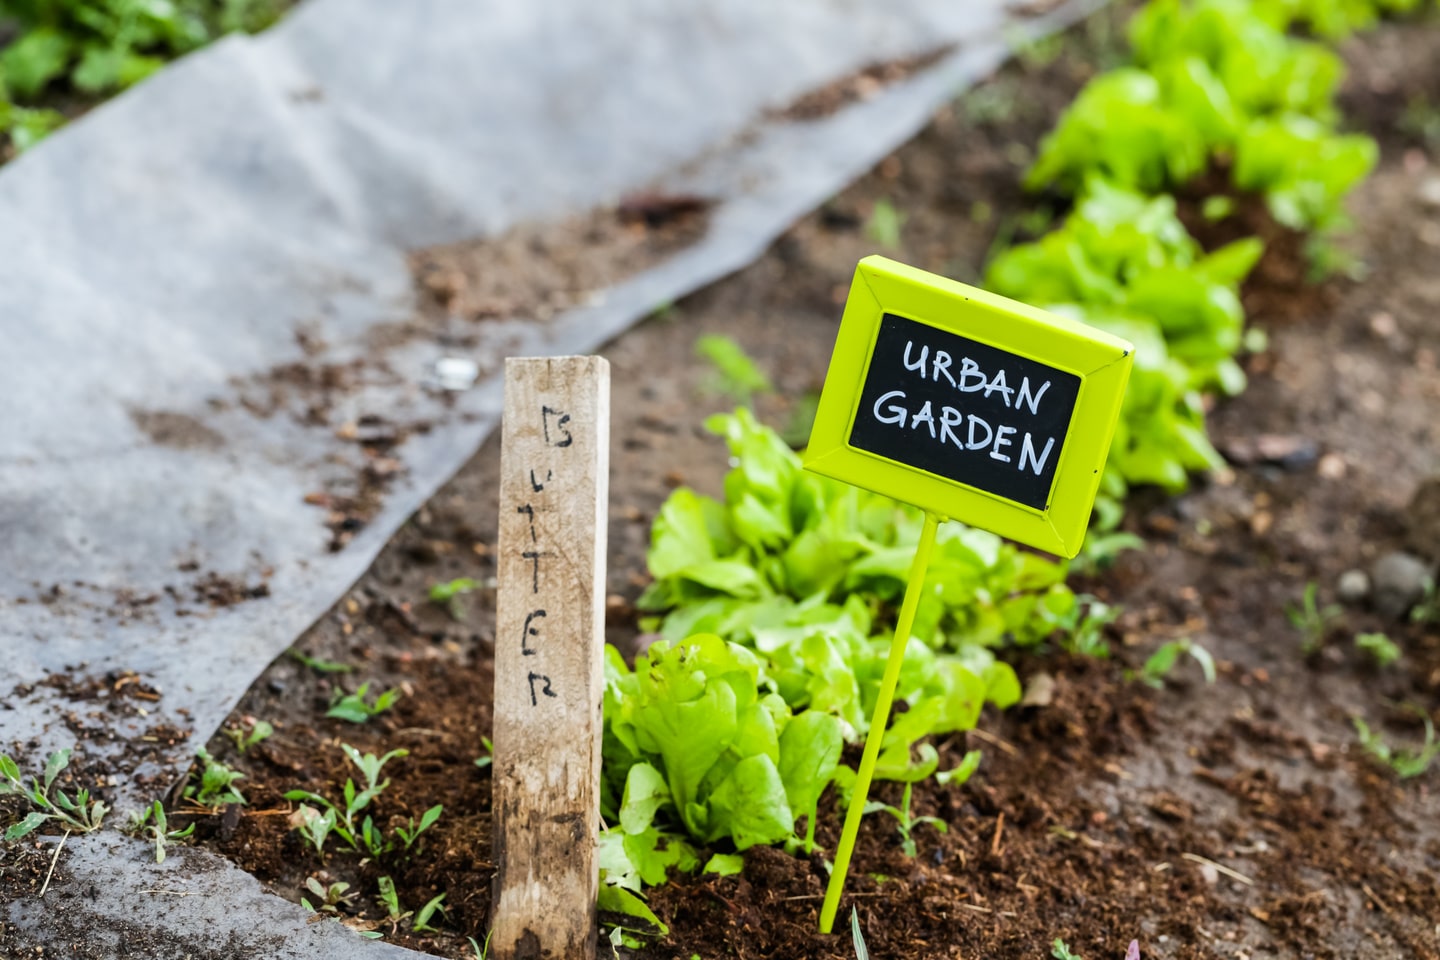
[
  {"x": 1334, "y": 19},
  {"x": 94, "y": 48},
  {"x": 1217, "y": 85},
  {"x": 1123, "y": 262},
  {"x": 1220, "y": 82},
  {"x": 771, "y": 607}
]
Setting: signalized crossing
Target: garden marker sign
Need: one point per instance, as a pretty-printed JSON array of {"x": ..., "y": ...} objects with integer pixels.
[
  {"x": 972, "y": 407},
  {"x": 549, "y": 639},
  {"x": 969, "y": 405}
]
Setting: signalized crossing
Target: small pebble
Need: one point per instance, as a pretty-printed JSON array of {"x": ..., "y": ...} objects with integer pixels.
[
  {"x": 1383, "y": 325},
  {"x": 1353, "y": 586},
  {"x": 1430, "y": 192},
  {"x": 1040, "y": 691},
  {"x": 456, "y": 373},
  {"x": 1398, "y": 581}
]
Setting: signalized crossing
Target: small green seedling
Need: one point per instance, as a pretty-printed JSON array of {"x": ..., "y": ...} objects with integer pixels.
[
  {"x": 989, "y": 104},
  {"x": 489, "y": 758},
  {"x": 355, "y": 707},
  {"x": 81, "y": 814},
  {"x": 390, "y": 900},
  {"x": 317, "y": 664},
  {"x": 962, "y": 772},
  {"x": 905, "y": 823},
  {"x": 1428, "y": 609},
  {"x": 735, "y": 374},
  {"x": 801, "y": 420},
  {"x": 316, "y": 825},
  {"x": 614, "y": 898},
  {"x": 1158, "y": 666},
  {"x": 1382, "y": 650},
  {"x": 1035, "y": 52},
  {"x": 331, "y": 898},
  {"x": 448, "y": 595},
  {"x": 372, "y": 838},
  {"x": 1312, "y": 620},
  {"x": 151, "y": 822},
  {"x": 1421, "y": 120},
  {"x": 620, "y": 937},
  {"x": 445, "y": 592},
  {"x": 259, "y": 730},
  {"x": 884, "y": 226},
  {"x": 1087, "y": 638},
  {"x": 481, "y": 952},
  {"x": 27, "y": 126},
  {"x": 422, "y": 923},
  {"x": 396, "y": 912},
  {"x": 1327, "y": 259},
  {"x": 427, "y": 820},
  {"x": 1101, "y": 550},
  {"x": 1217, "y": 207},
  {"x": 217, "y": 783},
  {"x": 1061, "y": 951},
  {"x": 861, "y": 951},
  {"x": 1405, "y": 763},
  {"x": 725, "y": 864}
]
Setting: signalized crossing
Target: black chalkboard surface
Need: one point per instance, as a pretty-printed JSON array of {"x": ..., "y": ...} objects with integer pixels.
[{"x": 964, "y": 410}]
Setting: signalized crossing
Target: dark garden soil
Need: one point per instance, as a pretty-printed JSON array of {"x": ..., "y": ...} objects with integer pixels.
[{"x": 1239, "y": 820}]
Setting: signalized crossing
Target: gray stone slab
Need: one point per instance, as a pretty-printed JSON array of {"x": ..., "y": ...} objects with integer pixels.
[{"x": 109, "y": 899}]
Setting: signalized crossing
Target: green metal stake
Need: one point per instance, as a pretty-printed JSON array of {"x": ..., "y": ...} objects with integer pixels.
[{"x": 878, "y": 722}]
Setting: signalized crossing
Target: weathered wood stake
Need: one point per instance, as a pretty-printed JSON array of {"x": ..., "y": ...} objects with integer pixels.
[{"x": 549, "y": 638}]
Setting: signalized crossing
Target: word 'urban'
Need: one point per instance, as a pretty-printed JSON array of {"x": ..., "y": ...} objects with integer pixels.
[{"x": 953, "y": 425}]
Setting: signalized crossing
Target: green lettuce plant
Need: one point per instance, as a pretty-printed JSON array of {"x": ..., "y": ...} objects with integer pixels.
[
  {"x": 1124, "y": 262},
  {"x": 1154, "y": 147},
  {"x": 1258, "y": 69},
  {"x": 26, "y": 126},
  {"x": 807, "y": 573},
  {"x": 695, "y": 738},
  {"x": 1216, "y": 81},
  {"x": 774, "y": 610},
  {"x": 98, "y": 47},
  {"x": 103, "y": 45},
  {"x": 1303, "y": 169},
  {"x": 789, "y": 555},
  {"x": 1333, "y": 19}
]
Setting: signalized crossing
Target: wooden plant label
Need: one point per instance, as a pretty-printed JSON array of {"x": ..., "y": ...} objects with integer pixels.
[
  {"x": 549, "y": 639},
  {"x": 969, "y": 405}
]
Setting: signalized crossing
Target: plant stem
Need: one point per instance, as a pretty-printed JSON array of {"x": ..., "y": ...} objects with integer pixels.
[
  {"x": 53, "y": 860},
  {"x": 878, "y": 722}
]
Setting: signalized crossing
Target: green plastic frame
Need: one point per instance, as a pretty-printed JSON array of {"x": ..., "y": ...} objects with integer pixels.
[{"x": 1100, "y": 360}]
